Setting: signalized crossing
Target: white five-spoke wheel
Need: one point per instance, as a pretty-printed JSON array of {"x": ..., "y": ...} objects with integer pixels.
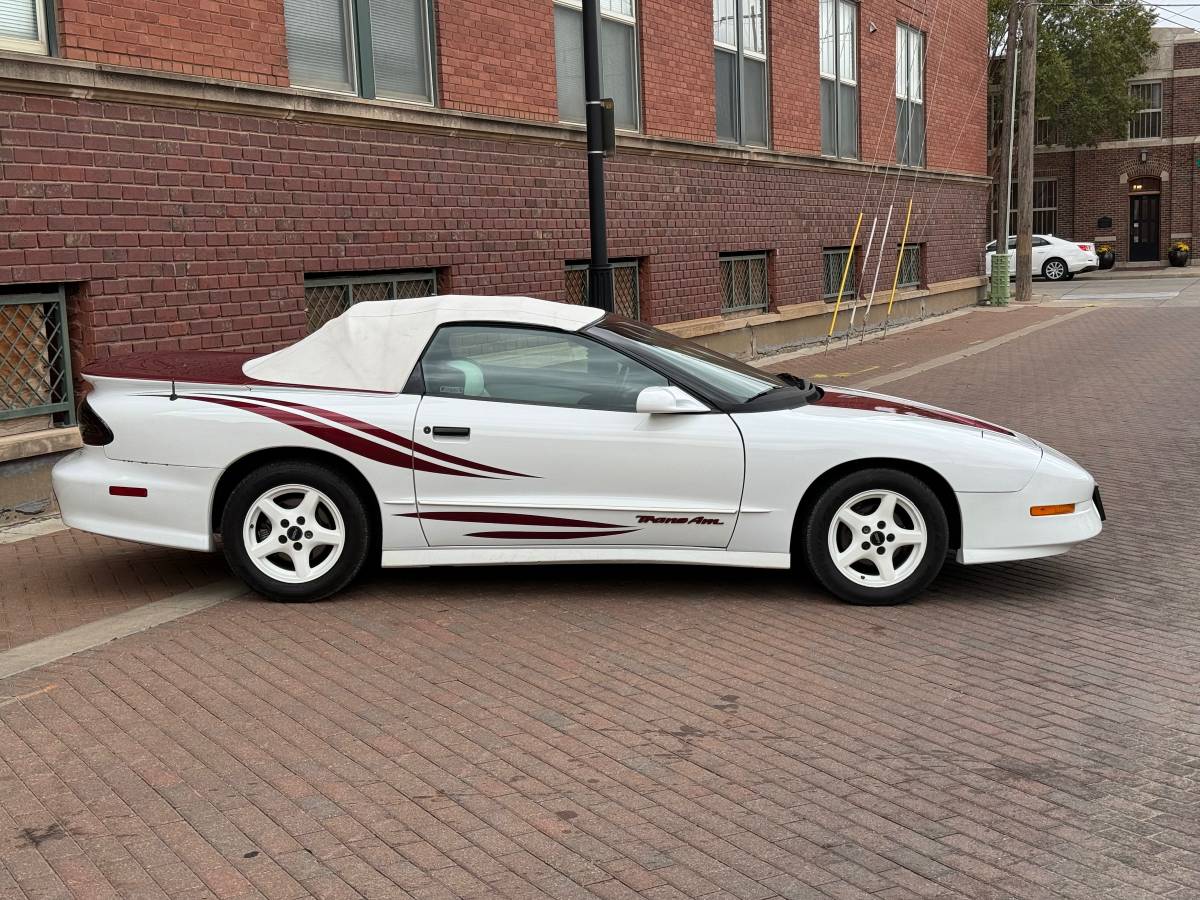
[
  {"x": 295, "y": 530},
  {"x": 876, "y": 537},
  {"x": 294, "y": 533}
]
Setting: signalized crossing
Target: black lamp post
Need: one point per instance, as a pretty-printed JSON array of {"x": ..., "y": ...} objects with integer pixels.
[{"x": 600, "y": 139}]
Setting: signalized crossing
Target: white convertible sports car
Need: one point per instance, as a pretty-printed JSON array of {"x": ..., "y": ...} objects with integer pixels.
[{"x": 481, "y": 430}]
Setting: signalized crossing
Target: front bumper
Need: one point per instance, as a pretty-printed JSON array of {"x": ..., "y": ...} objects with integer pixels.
[
  {"x": 998, "y": 527},
  {"x": 174, "y": 512}
]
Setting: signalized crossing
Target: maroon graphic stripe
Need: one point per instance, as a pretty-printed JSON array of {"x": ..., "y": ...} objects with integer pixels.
[
  {"x": 343, "y": 439},
  {"x": 873, "y": 404},
  {"x": 549, "y": 535},
  {"x": 384, "y": 435},
  {"x": 501, "y": 518}
]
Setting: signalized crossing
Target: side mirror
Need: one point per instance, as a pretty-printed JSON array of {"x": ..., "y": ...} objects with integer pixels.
[{"x": 668, "y": 400}]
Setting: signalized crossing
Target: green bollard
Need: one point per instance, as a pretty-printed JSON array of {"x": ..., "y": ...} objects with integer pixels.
[{"x": 998, "y": 295}]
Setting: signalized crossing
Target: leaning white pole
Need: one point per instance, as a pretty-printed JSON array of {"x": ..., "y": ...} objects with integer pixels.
[
  {"x": 878, "y": 262},
  {"x": 854, "y": 308}
]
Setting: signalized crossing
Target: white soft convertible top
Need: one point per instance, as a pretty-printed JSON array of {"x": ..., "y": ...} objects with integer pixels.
[{"x": 375, "y": 345}]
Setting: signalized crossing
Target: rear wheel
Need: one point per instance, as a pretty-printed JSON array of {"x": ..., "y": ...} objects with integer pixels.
[
  {"x": 877, "y": 537},
  {"x": 294, "y": 531},
  {"x": 1055, "y": 270}
]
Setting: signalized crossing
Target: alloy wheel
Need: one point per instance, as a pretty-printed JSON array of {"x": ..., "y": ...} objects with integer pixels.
[
  {"x": 877, "y": 538},
  {"x": 294, "y": 533}
]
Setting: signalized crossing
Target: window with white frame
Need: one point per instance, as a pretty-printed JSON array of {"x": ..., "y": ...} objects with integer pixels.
[
  {"x": 372, "y": 48},
  {"x": 740, "y": 61},
  {"x": 910, "y": 96},
  {"x": 839, "y": 78},
  {"x": 23, "y": 26},
  {"x": 1147, "y": 121},
  {"x": 618, "y": 60}
]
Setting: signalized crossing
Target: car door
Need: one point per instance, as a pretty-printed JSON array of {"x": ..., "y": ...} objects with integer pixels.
[
  {"x": 1042, "y": 250},
  {"x": 534, "y": 439}
]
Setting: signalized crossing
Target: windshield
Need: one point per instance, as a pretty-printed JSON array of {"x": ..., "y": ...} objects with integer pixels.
[{"x": 723, "y": 378}]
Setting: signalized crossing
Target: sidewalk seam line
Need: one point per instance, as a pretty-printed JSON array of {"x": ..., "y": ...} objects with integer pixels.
[
  {"x": 25, "y": 531},
  {"x": 956, "y": 355},
  {"x": 93, "y": 634}
]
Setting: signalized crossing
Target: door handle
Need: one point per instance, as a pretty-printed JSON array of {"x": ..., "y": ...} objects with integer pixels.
[{"x": 452, "y": 431}]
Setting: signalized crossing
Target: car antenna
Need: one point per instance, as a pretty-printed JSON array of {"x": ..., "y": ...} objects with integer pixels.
[{"x": 174, "y": 396}]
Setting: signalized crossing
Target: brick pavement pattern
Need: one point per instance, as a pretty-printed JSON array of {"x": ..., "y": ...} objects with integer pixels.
[{"x": 1025, "y": 730}]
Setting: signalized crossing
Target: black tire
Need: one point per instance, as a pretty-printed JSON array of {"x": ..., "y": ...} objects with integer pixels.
[
  {"x": 820, "y": 518},
  {"x": 337, "y": 491},
  {"x": 1055, "y": 269}
]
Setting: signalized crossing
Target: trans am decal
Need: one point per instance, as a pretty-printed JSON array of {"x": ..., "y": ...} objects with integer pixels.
[{"x": 322, "y": 424}]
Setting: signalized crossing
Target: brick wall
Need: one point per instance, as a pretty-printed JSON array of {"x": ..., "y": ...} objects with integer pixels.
[
  {"x": 242, "y": 41},
  {"x": 795, "y": 77},
  {"x": 195, "y": 229},
  {"x": 678, "y": 78},
  {"x": 498, "y": 59}
]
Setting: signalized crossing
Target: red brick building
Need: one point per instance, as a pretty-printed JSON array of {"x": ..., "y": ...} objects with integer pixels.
[
  {"x": 1139, "y": 194},
  {"x": 225, "y": 174}
]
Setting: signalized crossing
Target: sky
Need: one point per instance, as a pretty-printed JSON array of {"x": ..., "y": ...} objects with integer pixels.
[{"x": 1176, "y": 13}]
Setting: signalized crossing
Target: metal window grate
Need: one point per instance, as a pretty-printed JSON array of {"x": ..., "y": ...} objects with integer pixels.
[
  {"x": 833, "y": 262},
  {"x": 910, "y": 266},
  {"x": 327, "y": 298},
  {"x": 35, "y": 357},
  {"x": 744, "y": 286},
  {"x": 627, "y": 298}
]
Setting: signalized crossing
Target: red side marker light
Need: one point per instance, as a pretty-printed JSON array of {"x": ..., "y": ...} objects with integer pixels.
[{"x": 118, "y": 490}]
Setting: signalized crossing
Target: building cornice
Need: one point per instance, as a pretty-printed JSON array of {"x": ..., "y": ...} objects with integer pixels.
[
  {"x": 88, "y": 81},
  {"x": 1139, "y": 144}
]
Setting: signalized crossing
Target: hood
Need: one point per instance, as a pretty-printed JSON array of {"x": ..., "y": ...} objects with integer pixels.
[{"x": 882, "y": 404}]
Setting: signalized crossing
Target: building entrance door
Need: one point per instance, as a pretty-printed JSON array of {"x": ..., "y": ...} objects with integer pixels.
[{"x": 1143, "y": 227}]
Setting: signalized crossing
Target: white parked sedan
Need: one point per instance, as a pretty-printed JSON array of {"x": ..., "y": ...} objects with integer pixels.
[
  {"x": 474, "y": 430},
  {"x": 1054, "y": 259}
]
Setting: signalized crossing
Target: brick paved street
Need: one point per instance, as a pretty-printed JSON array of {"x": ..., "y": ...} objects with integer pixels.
[{"x": 1024, "y": 730}]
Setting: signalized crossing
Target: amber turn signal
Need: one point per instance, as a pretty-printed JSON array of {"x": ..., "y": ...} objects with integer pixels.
[{"x": 1056, "y": 509}]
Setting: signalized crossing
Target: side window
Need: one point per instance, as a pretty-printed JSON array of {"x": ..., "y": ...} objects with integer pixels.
[{"x": 528, "y": 365}]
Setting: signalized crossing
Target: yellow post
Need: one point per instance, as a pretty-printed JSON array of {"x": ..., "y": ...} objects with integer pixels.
[
  {"x": 845, "y": 272},
  {"x": 899, "y": 260}
]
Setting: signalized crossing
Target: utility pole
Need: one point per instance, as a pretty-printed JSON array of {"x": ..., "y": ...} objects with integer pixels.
[
  {"x": 1029, "y": 27},
  {"x": 1004, "y": 161},
  {"x": 600, "y": 277}
]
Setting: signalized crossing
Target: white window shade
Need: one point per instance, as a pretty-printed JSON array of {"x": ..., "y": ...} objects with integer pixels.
[
  {"x": 320, "y": 46},
  {"x": 22, "y": 26},
  {"x": 400, "y": 49},
  {"x": 568, "y": 57}
]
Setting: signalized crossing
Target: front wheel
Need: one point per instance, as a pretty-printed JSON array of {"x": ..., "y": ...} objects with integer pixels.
[
  {"x": 294, "y": 531},
  {"x": 1055, "y": 270},
  {"x": 877, "y": 537}
]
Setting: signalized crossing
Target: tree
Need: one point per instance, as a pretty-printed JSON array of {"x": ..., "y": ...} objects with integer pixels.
[{"x": 1086, "y": 54}]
